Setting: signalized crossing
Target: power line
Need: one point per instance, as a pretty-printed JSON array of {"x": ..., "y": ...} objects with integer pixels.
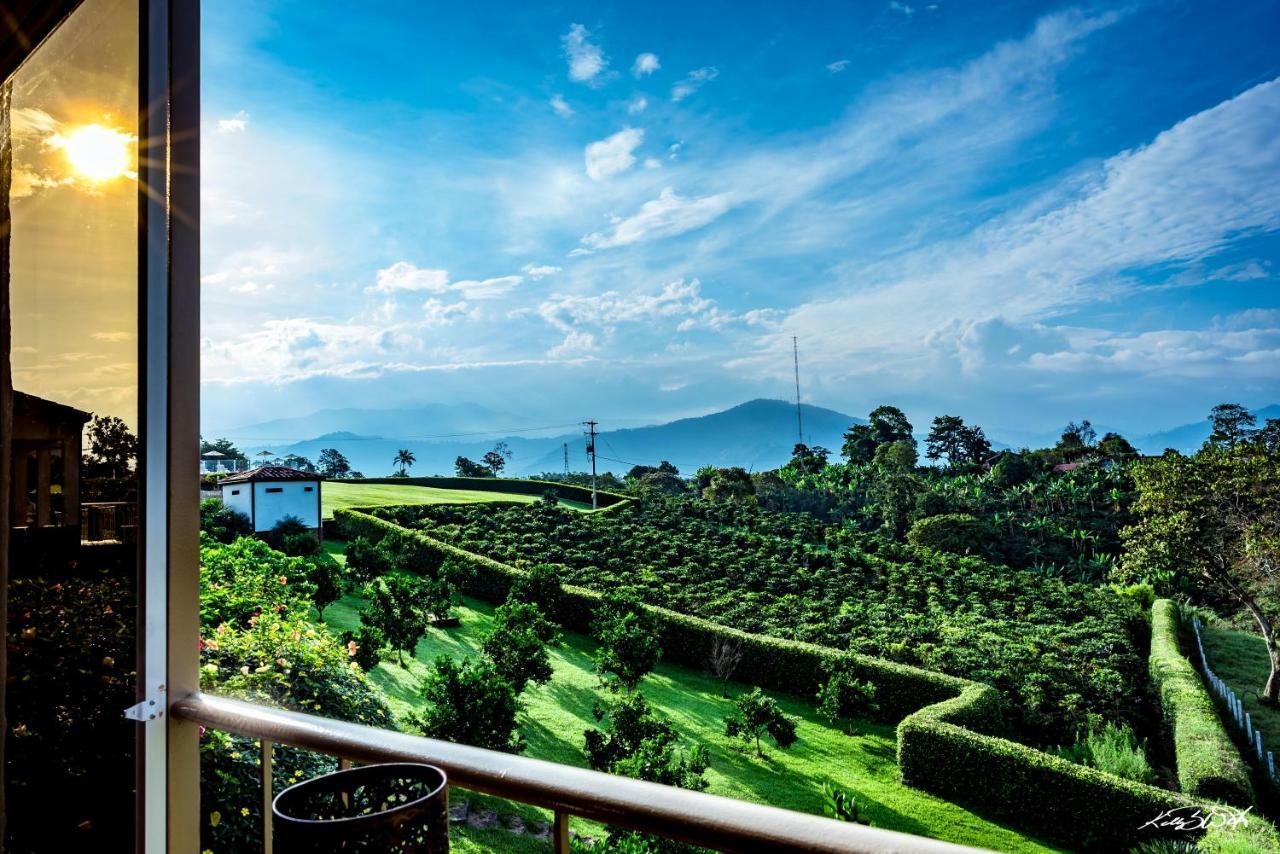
[{"x": 496, "y": 432}]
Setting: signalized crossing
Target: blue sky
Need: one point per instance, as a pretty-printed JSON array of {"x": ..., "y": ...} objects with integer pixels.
[{"x": 1020, "y": 213}]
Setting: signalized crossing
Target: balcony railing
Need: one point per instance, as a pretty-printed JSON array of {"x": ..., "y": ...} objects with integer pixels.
[{"x": 711, "y": 821}]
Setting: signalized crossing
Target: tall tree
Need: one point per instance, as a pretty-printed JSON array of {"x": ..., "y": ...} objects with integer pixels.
[
  {"x": 637, "y": 742},
  {"x": 975, "y": 444},
  {"x": 328, "y": 579},
  {"x": 469, "y": 703},
  {"x": 496, "y": 460},
  {"x": 628, "y": 636},
  {"x": 1232, "y": 424},
  {"x": 465, "y": 467},
  {"x": 732, "y": 484},
  {"x": 1214, "y": 517},
  {"x": 113, "y": 449},
  {"x": 885, "y": 424},
  {"x": 754, "y": 715},
  {"x": 405, "y": 459},
  {"x": 945, "y": 439},
  {"x": 1115, "y": 447},
  {"x": 395, "y": 609},
  {"x": 333, "y": 463},
  {"x": 517, "y": 644},
  {"x": 1076, "y": 437}
]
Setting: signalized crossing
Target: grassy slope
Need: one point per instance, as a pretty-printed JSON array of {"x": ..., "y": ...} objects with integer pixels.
[
  {"x": 560, "y": 711},
  {"x": 336, "y": 494},
  {"x": 1240, "y": 658}
]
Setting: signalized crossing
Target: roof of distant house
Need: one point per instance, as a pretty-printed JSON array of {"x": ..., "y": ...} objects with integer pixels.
[
  {"x": 1068, "y": 466},
  {"x": 270, "y": 473}
]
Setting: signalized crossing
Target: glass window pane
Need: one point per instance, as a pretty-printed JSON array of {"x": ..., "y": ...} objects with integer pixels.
[{"x": 69, "y": 204}]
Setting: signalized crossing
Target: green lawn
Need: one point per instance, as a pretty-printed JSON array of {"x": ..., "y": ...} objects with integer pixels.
[
  {"x": 336, "y": 494},
  {"x": 559, "y": 712},
  {"x": 1240, "y": 659}
]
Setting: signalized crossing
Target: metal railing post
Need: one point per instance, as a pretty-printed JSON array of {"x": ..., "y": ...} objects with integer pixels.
[
  {"x": 267, "y": 750},
  {"x": 560, "y": 833}
]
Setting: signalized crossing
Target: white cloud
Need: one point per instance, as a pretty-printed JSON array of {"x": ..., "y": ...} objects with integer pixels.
[
  {"x": 437, "y": 313},
  {"x": 539, "y": 271},
  {"x": 652, "y": 163},
  {"x": 614, "y": 154},
  {"x": 561, "y": 106},
  {"x": 586, "y": 60},
  {"x": 575, "y": 343},
  {"x": 668, "y": 215},
  {"x": 236, "y": 124},
  {"x": 638, "y": 104},
  {"x": 678, "y": 300},
  {"x": 692, "y": 82},
  {"x": 838, "y": 66},
  {"x": 902, "y": 8},
  {"x": 403, "y": 276},
  {"x": 1172, "y": 203},
  {"x": 487, "y": 288},
  {"x": 645, "y": 64}
]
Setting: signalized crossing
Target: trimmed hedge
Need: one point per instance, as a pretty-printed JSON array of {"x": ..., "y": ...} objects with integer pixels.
[
  {"x": 563, "y": 491},
  {"x": 791, "y": 667},
  {"x": 948, "y": 735},
  {"x": 1209, "y": 765},
  {"x": 1026, "y": 788}
]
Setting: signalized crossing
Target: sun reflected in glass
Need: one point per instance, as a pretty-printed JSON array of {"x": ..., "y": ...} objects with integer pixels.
[{"x": 95, "y": 152}]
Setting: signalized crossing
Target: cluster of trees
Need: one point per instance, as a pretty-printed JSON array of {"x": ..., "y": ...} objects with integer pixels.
[
  {"x": 490, "y": 465},
  {"x": 1062, "y": 652},
  {"x": 1208, "y": 526}
]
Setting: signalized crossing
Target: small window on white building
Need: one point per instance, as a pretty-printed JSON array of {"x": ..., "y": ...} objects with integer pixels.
[
  {"x": 235, "y": 492},
  {"x": 308, "y": 489},
  {"x": 275, "y": 489}
]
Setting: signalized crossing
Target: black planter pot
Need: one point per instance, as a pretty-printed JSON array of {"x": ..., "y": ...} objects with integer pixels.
[{"x": 397, "y": 807}]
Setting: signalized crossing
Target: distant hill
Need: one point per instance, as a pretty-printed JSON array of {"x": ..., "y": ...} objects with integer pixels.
[
  {"x": 435, "y": 418},
  {"x": 756, "y": 435},
  {"x": 1189, "y": 437}
]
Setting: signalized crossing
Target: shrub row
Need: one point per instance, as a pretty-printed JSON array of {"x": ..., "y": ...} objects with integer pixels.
[
  {"x": 791, "y": 667},
  {"x": 1026, "y": 788},
  {"x": 563, "y": 491},
  {"x": 1209, "y": 765},
  {"x": 948, "y": 735}
]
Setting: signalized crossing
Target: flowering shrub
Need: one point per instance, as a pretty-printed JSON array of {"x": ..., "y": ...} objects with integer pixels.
[
  {"x": 248, "y": 578},
  {"x": 258, "y": 641},
  {"x": 70, "y": 750}
]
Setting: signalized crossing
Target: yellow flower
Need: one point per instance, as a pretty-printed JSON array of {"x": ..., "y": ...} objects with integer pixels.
[
  {"x": 215, "y": 818},
  {"x": 244, "y": 810}
]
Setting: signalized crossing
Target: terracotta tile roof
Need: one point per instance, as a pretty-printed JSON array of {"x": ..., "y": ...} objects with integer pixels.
[{"x": 270, "y": 473}]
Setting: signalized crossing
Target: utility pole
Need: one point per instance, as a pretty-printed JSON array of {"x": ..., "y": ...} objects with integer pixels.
[
  {"x": 795, "y": 355},
  {"x": 566, "y": 457},
  {"x": 591, "y": 450}
]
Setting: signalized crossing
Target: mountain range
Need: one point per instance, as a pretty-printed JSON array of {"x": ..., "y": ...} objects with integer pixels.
[
  {"x": 756, "y": 435},
  {"x": 759, "y": 434}
]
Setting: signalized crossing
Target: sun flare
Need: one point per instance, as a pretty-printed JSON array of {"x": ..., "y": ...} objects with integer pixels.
[{"x": 97, "y": 153}]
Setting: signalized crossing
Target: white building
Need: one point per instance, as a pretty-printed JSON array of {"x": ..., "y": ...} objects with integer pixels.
[{"x": 269, "y": 493}]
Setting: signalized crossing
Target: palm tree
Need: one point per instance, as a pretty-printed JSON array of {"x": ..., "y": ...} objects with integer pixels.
[{"x": 404, "y": 459}]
